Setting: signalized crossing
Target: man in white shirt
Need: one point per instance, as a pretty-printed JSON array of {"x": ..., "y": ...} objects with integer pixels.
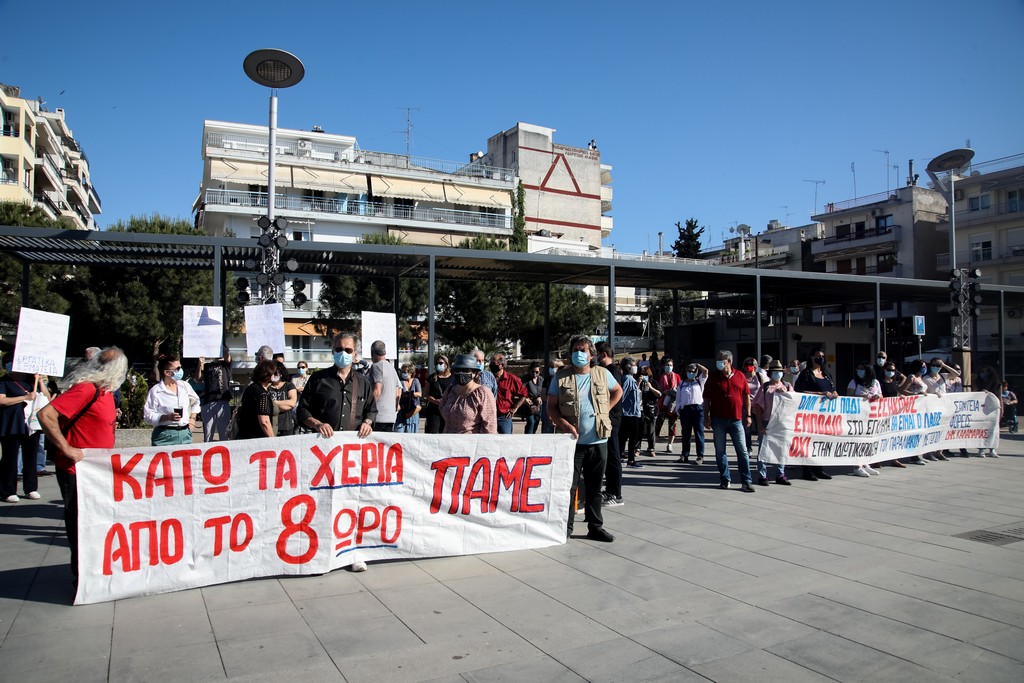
[
  {"x": 690, "y": 408},
  {"x": 387, "y": 388}
]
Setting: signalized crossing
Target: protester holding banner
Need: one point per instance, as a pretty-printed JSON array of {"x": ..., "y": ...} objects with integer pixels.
[
  {"x": 816, "y": 379},
  {"x": 468, "y": 407},
  {"x": 17, "y": 394},
  {"x": 408, "y": 419},
  {"x": 437, "y": 385},
  {"x": 285, "y": 397},
  {"x": 83, "y": 416},
  {"x": 727, "y": 411},
  {"x": 762, "y": 404},
  {"x": 864, "y": 385},
  {"x": 338, "y": 399},
  {"x": 534, "y": 384},
  {"x": 171, "y": 405}
]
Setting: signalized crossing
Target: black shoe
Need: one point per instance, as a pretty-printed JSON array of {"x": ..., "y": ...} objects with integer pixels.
[
  {"x": 809, "y": 476},
  {"x": 685, "y": 458},
  {"x": 700, "y": 460},
  {"x": 600, "y": 534},
  {"x": 724, "y": 485},
  {"x": 762, "y": 481},
  {"x": 824, "y": 475},
  {"x": 747, "y": 488}
]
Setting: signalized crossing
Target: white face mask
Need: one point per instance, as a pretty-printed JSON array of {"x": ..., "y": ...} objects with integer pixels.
[{"x": 632, "y": 370}]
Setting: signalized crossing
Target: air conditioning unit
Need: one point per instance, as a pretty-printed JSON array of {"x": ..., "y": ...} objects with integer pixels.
[
  {"x": 876, "y": 212},
  {"x": 305, "y": 148},
  {"x": 958, "y": 195},
  {"x": 1013, "y": 312}
]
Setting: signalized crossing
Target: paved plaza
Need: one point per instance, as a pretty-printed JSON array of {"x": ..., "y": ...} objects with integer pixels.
[{"x": 851, "y": 580}]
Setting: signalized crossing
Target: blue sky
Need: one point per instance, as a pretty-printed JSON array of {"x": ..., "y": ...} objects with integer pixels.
[{"x": 718, "y": 111}]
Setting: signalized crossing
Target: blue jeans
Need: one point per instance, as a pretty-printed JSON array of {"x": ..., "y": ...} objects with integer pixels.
[
  {"x": 504, "y": 425},
  {"x": 721, "y": 427},
  {"x": 691, "y": 420},
  {"x": 409, "y": 425}
]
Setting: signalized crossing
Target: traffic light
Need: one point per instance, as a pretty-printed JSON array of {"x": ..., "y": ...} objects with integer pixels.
[
  {"x": 243, "y": 290},
  {"x": 973, "y": 287},
  {"x": 298, "y": 298}
]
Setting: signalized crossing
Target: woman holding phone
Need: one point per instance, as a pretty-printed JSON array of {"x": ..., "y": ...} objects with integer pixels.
[{"x": 171, "y": 406}]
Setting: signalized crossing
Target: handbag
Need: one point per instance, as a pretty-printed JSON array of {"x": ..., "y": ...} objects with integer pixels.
[{"x": 32, "y": 419}]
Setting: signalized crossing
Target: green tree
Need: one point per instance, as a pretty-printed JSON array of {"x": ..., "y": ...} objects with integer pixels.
[
  {"x": 47, "y": 284},
  {"x": 687, "y": 245},
  {"x": 519, "y": 241}
]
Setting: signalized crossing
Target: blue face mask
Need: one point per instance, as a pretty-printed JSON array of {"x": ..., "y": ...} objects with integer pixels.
[
  {"x": 178, "y": 374},
  {"x": 440, "y": 367},
  {"x": 934, "y": 370},
  {"x": 302, "y": 371},
  {"x": 720, "y": 364},
  {"x": 776, "y": 375},
  {"x": 861, "y": 373},
  {"x": 552, "y": 370},
  {"x": 691, "y": 375},
  {"x": 890, "y": 373},
  {"x": 580, "y": 359},
  {"x": 342, "y": 359},
  {"x": 924, "y": 370}
]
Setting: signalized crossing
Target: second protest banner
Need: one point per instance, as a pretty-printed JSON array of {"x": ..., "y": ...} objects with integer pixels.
[
  {"x": 153, "y": 520},
  {"x": 807, "y": 429}
]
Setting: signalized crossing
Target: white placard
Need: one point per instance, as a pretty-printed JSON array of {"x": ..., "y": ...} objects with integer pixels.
[
  {"x": 42, "y": 342},
  {"x": 153, "y": 520},
  {"x": 264, "y": 326},
  {"x": 381, "y": 326},
  {"x": 202, "y": 331}
]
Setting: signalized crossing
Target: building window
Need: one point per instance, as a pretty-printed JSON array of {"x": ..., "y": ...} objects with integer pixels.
[
  {"x": 844, "y": 265},
  {"x": 842, "y": 231},
  {"x": 1013, "y": 200},
  {"x": 883, "y": 222},
  {"x": 979, "y": 202},
  {"x": 981, "y": 250},
  {"x": 858, "y": 229}
]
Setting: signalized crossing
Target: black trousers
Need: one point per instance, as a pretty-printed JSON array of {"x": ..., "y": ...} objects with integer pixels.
[
  {"x": 69, "y": 489},
  {"x": 588, "y": 466},
  {"x": 9, "y": 445},
  {"x": 613, "y": 462}
]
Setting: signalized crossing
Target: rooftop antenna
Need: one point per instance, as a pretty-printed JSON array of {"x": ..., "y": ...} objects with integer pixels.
[
  {"x": 886, "y": 153},
  {"x": 788, "y": 212},
  {"x": 853, "y": 170},
  {"x": 816, "y": 183},
  {"x": 408, "y": 128}
]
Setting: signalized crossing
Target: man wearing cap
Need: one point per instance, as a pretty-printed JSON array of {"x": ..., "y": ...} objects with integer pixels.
[
  {"x": 727, "y": 412},
  {"x": 579, "y": 405},
  {"x": 690, "y": 407}
]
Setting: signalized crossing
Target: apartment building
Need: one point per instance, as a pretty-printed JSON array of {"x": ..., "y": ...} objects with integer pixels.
[
  {"x": 41, "y": 163},
  {"x": 989, "y": 212},
  {"x": 779, "y": 247}
]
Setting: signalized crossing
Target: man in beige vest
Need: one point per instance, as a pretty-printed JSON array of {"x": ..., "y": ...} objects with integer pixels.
[{"x": 580, "y": 406}]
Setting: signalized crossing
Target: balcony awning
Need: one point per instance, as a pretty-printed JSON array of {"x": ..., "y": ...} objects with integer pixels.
[
  {"x": 422, "y": 190},
  {"x": 241, "y": 171},
  {"x": 478, "y": 196},
  {"x": 334, "y": 181},
  {"x": 888, "y": 247}
]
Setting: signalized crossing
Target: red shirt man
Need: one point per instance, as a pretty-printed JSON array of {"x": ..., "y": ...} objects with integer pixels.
[
  {"x": 727, "y": 395},
  {"x": 94, "y": 429},
  {"x": 511, "y": 390}
]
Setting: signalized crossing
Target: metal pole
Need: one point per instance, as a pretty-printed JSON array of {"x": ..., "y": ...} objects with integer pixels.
[
  {"x": 611, "y": 305},
  {"x": 430, "y": 316},
  {"x": 547, "y": 324},
  {"x": 25, "y": 280},
  {"x": 878, "y": 318},
  {"x": 952, "y": 222},
  {"x": 271, "y": 153},
  {"x": 757, "y": 316},
  {"x": 1002, "y": 338},
  {"x": 216, "y": 275}
]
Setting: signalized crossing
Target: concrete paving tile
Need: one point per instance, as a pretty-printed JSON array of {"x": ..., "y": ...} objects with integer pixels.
[
  {"x": 41, "y": 617},
  {"x": 993, "y": 668},
  {"x": 618, "y": 660},
  {"x": 753, "y": 563},
  {"x": 436, "y": 660},
  {"x": 165, "y": 605},
  {"x": 691, "y": 644},
  {"x": 1007, "y": 642},
  {"x": 446, "y": 568},
  {"x": 264, "y": 654},
  {"x": 757, "y": 666},
  {"x": 197, "y": 662},
  {"x": 904, "y": 672},
  {"x": 756, "y": 626},
  {"x": 534, "y": 669},
  {"x": 649, "y": 615},
  {"x": 347, "y": 637},
  {"x": 338, "y": 582},
  {"x": 87, "y": 670},
  {"x": 321, "y": 672},
  {"x": 34, "y": 652},
  {"x": 242, "y": 593},
  {"x": 253, "y": 621},
  {"x": 320, "y": 612},
  {"x": 481, "y": 589},
  {"x": 801, "y": 556},
  {"x": 819, "y": 613},
  {"x": 393, "y": 574},
  {"x": 551, "y": 578},
  {"x": 520, "y": 559},
  {"x": 833, "y": 656},
  {"x": 169, "y": 630},
  {"x": 434, "y": 612}
]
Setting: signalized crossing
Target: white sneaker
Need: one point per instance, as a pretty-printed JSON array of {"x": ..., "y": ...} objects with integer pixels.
[
  {"x": 993, "y": 454},
  {"x": 34, "y": 495},
  {"x": 357, "y": 566},
  {"x": 871, "y": 470},
  {"x": 860, "y": 472},
  {"x": 919, "y": 461},
  {"x": 11, "y": 499}
]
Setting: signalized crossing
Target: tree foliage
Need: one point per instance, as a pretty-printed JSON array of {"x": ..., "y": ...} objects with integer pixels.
[
  {"x": 687, "y": 245},
  {"x": 47, "y": 284},
  {"x": 519, "y": 240}
]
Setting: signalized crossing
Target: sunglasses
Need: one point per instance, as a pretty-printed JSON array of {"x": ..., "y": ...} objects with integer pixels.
[{"x": 341, "y": 349}]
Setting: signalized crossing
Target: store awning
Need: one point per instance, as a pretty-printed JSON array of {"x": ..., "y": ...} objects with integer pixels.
[
  {"x": 306, "y": 329},
  {"x": 240, "y": 171},
  {"x": 478, "y": 196},
  {"x": 422, "y": 190}
]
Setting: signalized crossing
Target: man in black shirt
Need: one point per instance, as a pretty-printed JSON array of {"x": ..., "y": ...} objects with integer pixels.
[
  {"x": 216, "y": 396},
  {"x": 338, "y": 399},
  {"x": 613, "y": 467}
]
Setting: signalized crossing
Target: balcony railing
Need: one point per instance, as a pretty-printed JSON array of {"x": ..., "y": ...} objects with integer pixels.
[
  {"x": 256, "y": 146},
  {"x": 967, "y": 216},
  {"x": 10, "y": 131},
  {"x": 44, "y": 198},
  {"x": 890, "y": 270},
  {"x": 860, "y": 234},
  {"x": 832, "y": 207},
  {"x": 8, "y": 178},
  {"x": 353, "y": 207},
  {"x": 980, "y": 255}
]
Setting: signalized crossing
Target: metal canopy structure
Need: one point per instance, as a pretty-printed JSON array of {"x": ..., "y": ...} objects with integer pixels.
[{"x": 223, "y": 254}]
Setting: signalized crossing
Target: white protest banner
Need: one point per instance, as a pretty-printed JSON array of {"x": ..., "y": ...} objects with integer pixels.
[
  {"x": 153, "y": 520},
  {"x": 42, "y": 342},
  {"x": 380, "y": 326},
  {"x": 202, "y": 331},
  {"x": 264, "y": 326},
  {"x": 806, "y": 429}
]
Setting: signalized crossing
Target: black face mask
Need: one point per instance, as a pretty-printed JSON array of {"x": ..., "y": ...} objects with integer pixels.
[
  {"x": 818, "y": 360},
  {"x": 495, "y": 368},
  {"x": 463, "y": 378}
]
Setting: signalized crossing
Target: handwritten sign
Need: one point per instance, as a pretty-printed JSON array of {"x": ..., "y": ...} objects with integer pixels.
[
  {"x": 807, "y": 429},
  {"x": 154, "y": 520},
  {"x": 380, "y": 326},
  {"x": 42, "y": 342},
  {"x": 202, "y": 331},
  {"x": 264, "y": 326}
]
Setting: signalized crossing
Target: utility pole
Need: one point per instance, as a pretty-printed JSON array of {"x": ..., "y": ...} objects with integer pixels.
[
  {"x": 887, "y": 167},
  {"x": 816, "y": 183},
  {"x": 408, "y": 128}
]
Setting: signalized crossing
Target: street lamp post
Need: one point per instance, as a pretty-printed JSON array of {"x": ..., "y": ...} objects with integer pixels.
[{"x": 273, "y": 69}]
